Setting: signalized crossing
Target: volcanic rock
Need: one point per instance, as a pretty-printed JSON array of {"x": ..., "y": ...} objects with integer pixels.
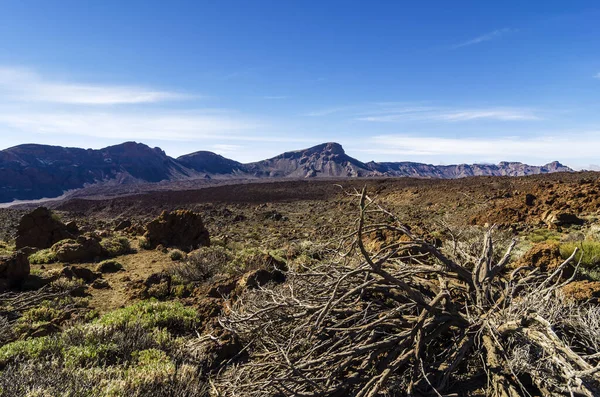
[
  {"x": 84, "y": 249},
  {"x": 180, "y": 229},
  {"x": 13, "y": 269},
  {"x": 40, "y": 229}
]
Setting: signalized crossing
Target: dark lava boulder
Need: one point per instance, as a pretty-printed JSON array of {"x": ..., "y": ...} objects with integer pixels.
[
  {"x": 85, "y": 248},
  {"x": 79, "y": 272},
  {"x": 13, "y": 269},
  {"x": 40, "y": 229},
  {"x": 180, "y": 229}
]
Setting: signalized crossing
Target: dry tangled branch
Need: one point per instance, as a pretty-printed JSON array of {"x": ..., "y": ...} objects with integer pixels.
[{"x": 406, "y": 318}]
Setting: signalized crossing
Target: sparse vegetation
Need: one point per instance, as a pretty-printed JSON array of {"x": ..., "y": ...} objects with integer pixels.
[
  {"x": 43, "y": 257},
  {"x": 116, "y": 246},
  {"x": 177, "y": 255},
  {"x": 203, "y": 264},
  {"x": 223, "y": 328}
]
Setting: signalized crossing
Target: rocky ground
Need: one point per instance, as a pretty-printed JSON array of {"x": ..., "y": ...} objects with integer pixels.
[{"x": 94, "y": 262}]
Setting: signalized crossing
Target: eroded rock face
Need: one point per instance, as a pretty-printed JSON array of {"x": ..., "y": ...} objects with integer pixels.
[
  {"x": 40, "y": 229},
  {"x": 180, "y": 229},
  {"x": 545, "y": 256},
  {"x": 554, "y": 219},
  {"x": 583, "y": 291},
  {"x": 13, "y": 269},
  {"x": 84, "y": 249}
]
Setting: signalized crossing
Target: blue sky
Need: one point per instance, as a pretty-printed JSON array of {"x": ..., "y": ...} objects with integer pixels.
[{"x": 430, "y": 81}]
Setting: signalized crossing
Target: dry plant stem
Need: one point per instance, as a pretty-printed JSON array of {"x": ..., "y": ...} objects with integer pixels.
[{"x": 410, "y": 319}]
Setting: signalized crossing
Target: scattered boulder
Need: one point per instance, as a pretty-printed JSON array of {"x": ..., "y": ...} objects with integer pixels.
[
  {"x": 556, "y": 219},
  {"x": 126, "y": 224},
  {"x": 179, "y": 229},
  {"x": 274, "y": 216},
  {"x": 257, "y": 278},
  {"x": 13, "y": 269},
  {"x": 109, "y": 266},
  {"x": 79, "y": 272},
  {"x": 85, "y": 248},
  {"x": 40, "y": 229},
  {"x": 545, "y": 256},
  {"x": 222, "y": 286},
  {"x": 583, "y": 291},
  {"x": 72, "y": 228},
  {"x": 530, "y": 199},
  {"x": 100, "y": 284}
]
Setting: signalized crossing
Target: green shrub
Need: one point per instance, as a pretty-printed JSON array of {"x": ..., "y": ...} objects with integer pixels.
[
  {"x": 27, "y": 349},
  {"x": 588, "y": 254},
  {"x": 150, "y": 314},
  {"x": 246, "y": 260},
  {"x": 109, "y": 266},
  {"x": 543, "y": 235},
  {"x": 43, "y": 257},
  {"x": 145, "y": 243},
  {"x": 177, "y": 255},
  {"x": 116, "y": 246},
  {"x": 202, "y": 264}
]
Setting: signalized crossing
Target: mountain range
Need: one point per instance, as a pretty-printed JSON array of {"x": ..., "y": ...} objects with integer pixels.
[{"x": 29, "y": 172}]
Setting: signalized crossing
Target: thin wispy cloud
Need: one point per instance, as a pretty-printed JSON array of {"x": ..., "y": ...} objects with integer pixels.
[
  {"x": 117, "y": 125},
  {"x": 597, "y": 76},
  {"x": 25, "y": 85},
  {"x": 390, "y": 112},
  {"x": 449, "y": 115},
  {"x": 549, "y": 146},
  {"x": 496, "y": 34}
]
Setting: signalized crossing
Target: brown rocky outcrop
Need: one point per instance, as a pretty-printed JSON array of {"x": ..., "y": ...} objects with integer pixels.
[
  {"x": 583, "y": 291},
  {"x": 84, "y": 248},
  {"x": 40, "y": 229},
  {"x": 180, "y": 229},
  {"x": 545, "y": 256}
]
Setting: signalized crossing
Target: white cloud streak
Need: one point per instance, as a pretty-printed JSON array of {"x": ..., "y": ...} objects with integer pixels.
[
  {"x": 161, "y": 125},
  {"x": 24, "y": 85},
  {"x": 558, "y": 147},
  {"x": 485, "y": 37},
  {"x": 597, "y": 76},
  {"x": 450, "y": 115}
]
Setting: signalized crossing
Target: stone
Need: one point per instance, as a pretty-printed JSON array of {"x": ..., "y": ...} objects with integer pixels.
[
  {"x": 554, "y": 219},
  {"x": 84, "y": 249},
  {"x": 40, "y": 229},
  {"x": 100, "y": 284},
  {"x": 109, "y": 266},
  {"x": 179, "y": 229},
  {"x": 530, "y": 199},
  {"x": 13, "y": 269},
  {"x": 79, "y": 272},
  {"x": 122, "y": 225}
]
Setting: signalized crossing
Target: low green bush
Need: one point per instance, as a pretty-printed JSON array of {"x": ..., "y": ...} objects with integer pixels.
[
  {"x": 150, "y": 314},
  {"x": 177, "y": 255},
  {"x": 202, "y": 264},
  {"x": 43, "y": 257},
  {"x": 144, "y": 243},
  {"x": 588, "y": 256},
  {"x": 116, "y": 246},
  {"x": 543, "y": 235}
]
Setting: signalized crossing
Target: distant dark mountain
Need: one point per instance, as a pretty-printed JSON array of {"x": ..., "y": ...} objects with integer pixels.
[
  {"x": 210, "y": 163},
  {"x": 30, "y": 172},
  {"x": 325, "y": 160}
]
